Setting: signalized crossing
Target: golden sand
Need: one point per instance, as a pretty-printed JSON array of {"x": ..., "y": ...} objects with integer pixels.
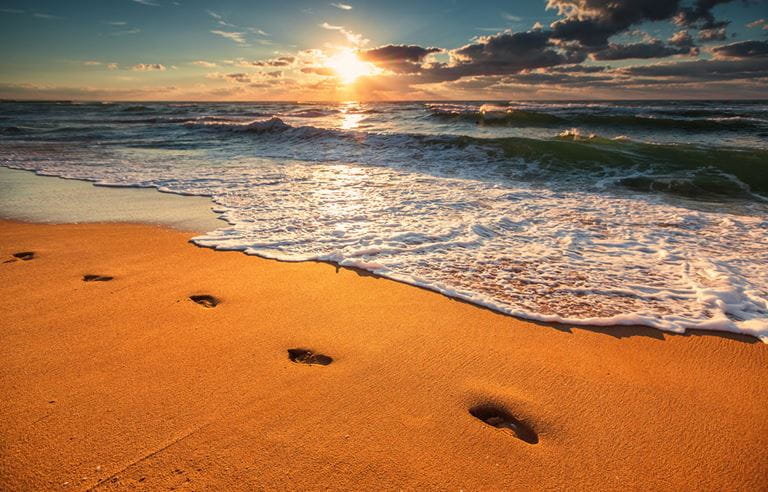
[{"x": 123, "y": 382}]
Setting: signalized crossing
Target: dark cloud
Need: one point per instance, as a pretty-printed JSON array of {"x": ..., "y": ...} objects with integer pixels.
[
  {"x": 579, "y": 69},
  {"x": 743, "y": 49},
  {"x": 700, "y": 13},
  {"x": 654, "y": 49},
  {"x": 398, "y": 58},
  {"x": 704, "y": 70},
  {"x": 393, "y": 52},
  {"x": 534, "y": 78},
  {"x": 592, "y": 22},
  {"x": 510, "y": 52}
]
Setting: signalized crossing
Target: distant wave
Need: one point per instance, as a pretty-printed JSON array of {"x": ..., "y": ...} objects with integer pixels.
[{"x": 503, "y": 116}]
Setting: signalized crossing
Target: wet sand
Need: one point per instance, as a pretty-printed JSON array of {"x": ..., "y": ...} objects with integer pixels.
[{"x": 125, "y": 381}]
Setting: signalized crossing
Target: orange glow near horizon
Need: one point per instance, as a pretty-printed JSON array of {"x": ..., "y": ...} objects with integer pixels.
[{"x": 349, "y": 67}]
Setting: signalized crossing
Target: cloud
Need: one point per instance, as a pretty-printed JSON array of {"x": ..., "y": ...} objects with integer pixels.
[
  {"x": 330, "y": 27},
  {"x": 117, "y": 23},
  {"x": 511, "y": 17},
  {"x": 258, "y": 31},
  {"x": 655, "y": 49},
  {"x": 400, "y": 52},
  {"x": 148, "y": 67},
  {"x": 757, "y": 23},
  {"x": 578, "y": 68},
  {"x": 342, "y": 6},
  {"x": 700, "y": 14},
  {"x": 204, "y": 64},
  {"x": 125, "y": 32},
  {"x": 704, "y": 70},
  {"x": 682, "y": 39},
  {"x": 46, "y": 16},
  {"x": 356, "y": 39},
  {"x": 743, "y": 49},
  {"x": 112, "y": 66},
  {"x": 509, "y": 52},
  {"x": 239, "y": 77},
  {"x": 714, "y": 34},
  {"x": 12, "y": 11},
  {"x": 149, "y": 3},
  {"x": 398, "y": 58},
  {"x": 592, "y": 22},
  {"x": 237, "y": 37},
  {"x": 282, "y": 61},
  {"x": 91, "y": 63},
  {"x": 325, "y": 71}
]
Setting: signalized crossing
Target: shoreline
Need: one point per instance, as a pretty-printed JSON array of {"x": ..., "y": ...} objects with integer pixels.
[
  {"x": 143, "y": 386},
  {"x": 87, "y": 202}
]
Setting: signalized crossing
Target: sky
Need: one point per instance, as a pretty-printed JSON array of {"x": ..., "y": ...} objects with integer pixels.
[{"x": 253, "y": 50}]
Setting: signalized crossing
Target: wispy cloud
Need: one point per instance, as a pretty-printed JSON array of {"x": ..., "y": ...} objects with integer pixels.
[
  {"x": 117, "y": 23},
  {"x": 12, "y": 11},
  {"x": 204, "y": 64},
  {"x": 149, "y": 3},
  {"x": 125, "y": 32},
  {"x": 354, "y": 38},
  {"x": 342, "y": 6},
  {"x": 258, "y": 31},
  {"x": 112, "y": 66},
  {"x": 330, "y": 27},
  {"x": 148, "y": 67},
  {"x": 46, "y": 16},
  {"x": 237, "y": 37},
  {"x": 91, "y": 63},
  {"x": 511, "y": 17}
]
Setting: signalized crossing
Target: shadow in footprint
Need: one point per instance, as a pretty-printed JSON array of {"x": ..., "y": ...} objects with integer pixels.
[
  {"x": 24, "y": 255},
  {"x": 501, "y": 419},
  {"x": 303, "y": 356},
  {"x": 205, "y": 300},
  {"x": 96, "y": 278}
]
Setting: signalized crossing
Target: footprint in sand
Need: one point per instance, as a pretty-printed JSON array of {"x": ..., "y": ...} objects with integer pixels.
[
  {"x": 501, "y": 419},
  {"x": 205, "y": 300},
  {"x": 303, "y": 356},
  {"x": 24, "y": 255},
  {"x": 96, "y": 278}
]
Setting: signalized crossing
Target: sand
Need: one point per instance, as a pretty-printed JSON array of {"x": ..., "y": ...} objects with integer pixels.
[{"x": 127, "y": 382}]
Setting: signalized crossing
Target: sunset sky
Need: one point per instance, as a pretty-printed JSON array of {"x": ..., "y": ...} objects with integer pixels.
[{"x": 245, "y": 50}]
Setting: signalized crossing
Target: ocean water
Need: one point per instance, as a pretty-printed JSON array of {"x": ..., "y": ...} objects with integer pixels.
[{"x": 601, "y": 213}]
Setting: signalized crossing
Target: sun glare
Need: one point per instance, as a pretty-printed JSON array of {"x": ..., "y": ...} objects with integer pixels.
[{"x": 349, "y": 67}]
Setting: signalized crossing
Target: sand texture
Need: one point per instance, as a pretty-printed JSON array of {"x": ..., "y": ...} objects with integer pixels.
[{"x": 120, "y": 380}]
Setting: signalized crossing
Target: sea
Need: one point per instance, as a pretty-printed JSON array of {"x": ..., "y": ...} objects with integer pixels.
[{"x": 601, "y": 213}]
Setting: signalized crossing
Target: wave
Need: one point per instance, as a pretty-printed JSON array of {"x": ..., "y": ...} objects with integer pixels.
[
  {"x": 503, "y": 116},
  {"x": 691, "y": 170},
  {"x": 312, "y": 113}
]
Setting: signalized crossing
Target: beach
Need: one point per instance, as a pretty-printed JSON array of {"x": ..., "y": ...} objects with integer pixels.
[{"x": 126, "y": 382}]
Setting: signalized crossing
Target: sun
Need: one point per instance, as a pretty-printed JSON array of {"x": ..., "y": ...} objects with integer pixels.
[{"x": 349, "y": 67}]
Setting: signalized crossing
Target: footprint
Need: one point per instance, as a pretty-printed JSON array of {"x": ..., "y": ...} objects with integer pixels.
[
  {"x": 24, "y": 255},
  {"x": 303, "y": 356},
  {"x": 501, "y": 419},
  {"x": 96, "y": 278},
  {"x": 205, "y": 300}
]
